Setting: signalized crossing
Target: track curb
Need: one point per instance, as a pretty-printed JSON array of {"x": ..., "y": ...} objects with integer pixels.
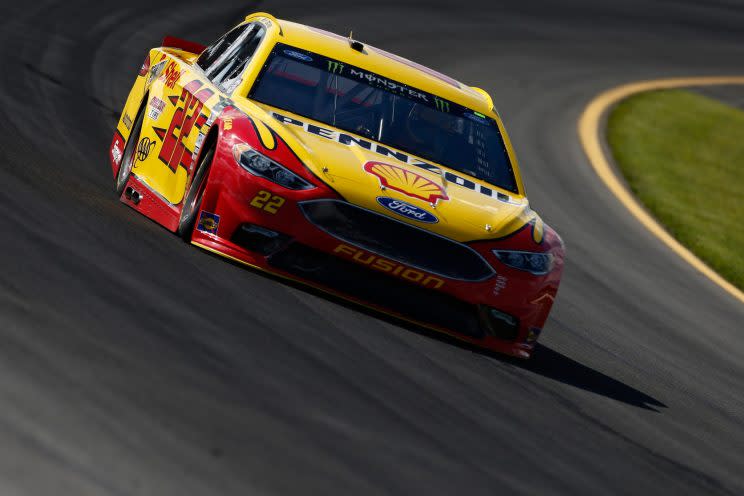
[{"x": 590, "y": 126}]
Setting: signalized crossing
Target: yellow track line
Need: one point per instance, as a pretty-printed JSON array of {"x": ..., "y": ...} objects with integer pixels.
[{"x": 589, "y": 134}]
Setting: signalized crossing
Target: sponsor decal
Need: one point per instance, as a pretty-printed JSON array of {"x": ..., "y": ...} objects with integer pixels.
[
  {"x": 500, "y": 284},
  {"x": 334, "y": 66},
  {"x": 145, "y": 66},
  {"x": 389, "y": 266},
  {"x": 187, "y": 116},
  {"x": 297, "y": 55},
  {"x": 266, "y": 22},
  {"x": 199, "y": 142},
  {"x": 351, "y": 140},
  {"x": 155, "y": 71},
  {"x": 264, "y": 200},
  {"x": 357, "y": 73},
  {"x": 144, "y": 147},
  {"x": 116, "y": 153},
  {"x": 208, "y": 222},
  {"x": 171, "y": 75},
  {"x": 407, "y": 182},
  {"x": 353, "y": 72},
  {"x": 232, "y": 86},
  {"x": 156, "y": 108},
  {"x": 441, "y": 105},
  {"x": 477, "y": 117},
  {"x": 407, "y": 210},
  {"x": 381, "y": 82},
  {"x": 228, "y": 123},
  {"x": 127, "y": 121}
]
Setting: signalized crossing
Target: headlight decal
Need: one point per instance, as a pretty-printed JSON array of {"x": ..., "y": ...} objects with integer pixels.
[
  {"x": 260, "y": 165},
  {"x": 536, "y": 263}
]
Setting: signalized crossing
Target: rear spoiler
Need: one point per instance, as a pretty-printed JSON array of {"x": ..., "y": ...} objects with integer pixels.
[{"x": 188, "y": 46}]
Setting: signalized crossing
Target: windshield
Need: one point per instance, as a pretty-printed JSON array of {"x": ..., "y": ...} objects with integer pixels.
[{"x": 392, "y": 113}]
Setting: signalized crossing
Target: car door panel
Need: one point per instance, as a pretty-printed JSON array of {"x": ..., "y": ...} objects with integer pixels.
[
  {"x": 181, "y": 101},
  {"x": 175, "y": 116}
]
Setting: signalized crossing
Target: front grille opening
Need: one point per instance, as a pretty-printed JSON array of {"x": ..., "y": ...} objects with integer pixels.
[
  {"x": 259, "y": 239},
  {"x": 415, "y": 302},
  {"x": 397, "y": 240},
  {"x": 498, "y": 324}
]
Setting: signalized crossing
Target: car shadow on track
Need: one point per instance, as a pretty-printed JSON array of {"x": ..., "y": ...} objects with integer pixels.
[
  {"x": 549, "y": 363},
  {"x": 545, "y": 361},
  {"x": 557, "y": 366}
]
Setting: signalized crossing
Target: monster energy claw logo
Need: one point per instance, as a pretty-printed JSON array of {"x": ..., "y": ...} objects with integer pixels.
[
  {"x": 334, "y": 67},
  {"x": 442, "y": 105}
]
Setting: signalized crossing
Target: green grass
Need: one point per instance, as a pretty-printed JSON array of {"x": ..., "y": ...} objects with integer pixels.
[{"x": 683, "y": 157}]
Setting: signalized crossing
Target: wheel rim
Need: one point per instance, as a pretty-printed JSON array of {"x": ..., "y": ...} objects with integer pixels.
[
  {"x": 126, "y": 168},
  {"x": 195, "y": 194},
  {"x": 127, "y": 161}
]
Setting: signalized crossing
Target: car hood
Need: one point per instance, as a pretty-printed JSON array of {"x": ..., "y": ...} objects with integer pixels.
[{"x": 398, "y": 185}]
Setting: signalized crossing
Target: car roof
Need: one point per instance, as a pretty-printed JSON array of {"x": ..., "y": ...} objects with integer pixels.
[{"x": 381, "y": 62}]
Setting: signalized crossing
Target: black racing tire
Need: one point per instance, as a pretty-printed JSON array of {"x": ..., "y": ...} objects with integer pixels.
[
  {"x": 192, "y": 201},
  {"x": 130, "y": 154}
]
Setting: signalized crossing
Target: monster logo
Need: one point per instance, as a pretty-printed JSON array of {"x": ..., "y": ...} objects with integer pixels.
[
  {"x": 442, "y": 105},
  {"x": 335, "y": 67}
]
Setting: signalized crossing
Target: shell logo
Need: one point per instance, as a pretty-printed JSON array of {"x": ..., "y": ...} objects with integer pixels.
[{"x": 407, "y": 182}]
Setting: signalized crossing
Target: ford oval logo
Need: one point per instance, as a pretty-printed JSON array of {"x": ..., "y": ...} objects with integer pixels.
[
  {"x": 298, "y": 55},
  {"x": 407, "y": 210}
]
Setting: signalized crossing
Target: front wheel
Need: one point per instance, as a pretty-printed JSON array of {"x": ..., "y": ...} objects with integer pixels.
[
  {"x": 129, "y": 156},
  {"x": 194, "y": 195}
]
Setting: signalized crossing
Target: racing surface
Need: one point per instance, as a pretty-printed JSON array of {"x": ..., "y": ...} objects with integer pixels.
[{"x": 132, "y": 363}]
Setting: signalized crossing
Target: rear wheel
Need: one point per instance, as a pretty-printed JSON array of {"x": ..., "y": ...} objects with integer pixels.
[
  {"x": 192, "y": 201},
  {"x": 127, "y": 161}
]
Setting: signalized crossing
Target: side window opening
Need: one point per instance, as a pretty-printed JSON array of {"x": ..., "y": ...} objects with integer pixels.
[
  {"x": 213, "y": 52},
  {"x": 225, "y": 61}
]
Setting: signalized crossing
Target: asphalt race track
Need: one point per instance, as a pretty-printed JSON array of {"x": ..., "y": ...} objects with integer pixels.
[{"x": 132, "y": 363}]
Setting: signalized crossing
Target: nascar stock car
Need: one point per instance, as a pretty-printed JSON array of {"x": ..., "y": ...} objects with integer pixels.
[{"x": 327, "y": 161}]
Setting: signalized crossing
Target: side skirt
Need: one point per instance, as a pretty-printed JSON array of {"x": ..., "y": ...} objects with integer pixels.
[{"x": 140, "y": 197}]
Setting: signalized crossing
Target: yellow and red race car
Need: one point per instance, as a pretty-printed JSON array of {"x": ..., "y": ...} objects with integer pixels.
[{"x": 327, "y": 161}]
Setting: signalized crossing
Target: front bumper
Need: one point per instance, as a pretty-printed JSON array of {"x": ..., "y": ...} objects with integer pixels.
[{"x": 265, "y": 226}]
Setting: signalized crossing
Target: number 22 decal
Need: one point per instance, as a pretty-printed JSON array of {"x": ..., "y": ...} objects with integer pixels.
[
  {"x": 188, "y": 114},
  {"x": 267, "y": 202}
]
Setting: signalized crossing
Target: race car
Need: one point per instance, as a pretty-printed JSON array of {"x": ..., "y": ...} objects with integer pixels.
[{"x": 324, "y": 160}]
